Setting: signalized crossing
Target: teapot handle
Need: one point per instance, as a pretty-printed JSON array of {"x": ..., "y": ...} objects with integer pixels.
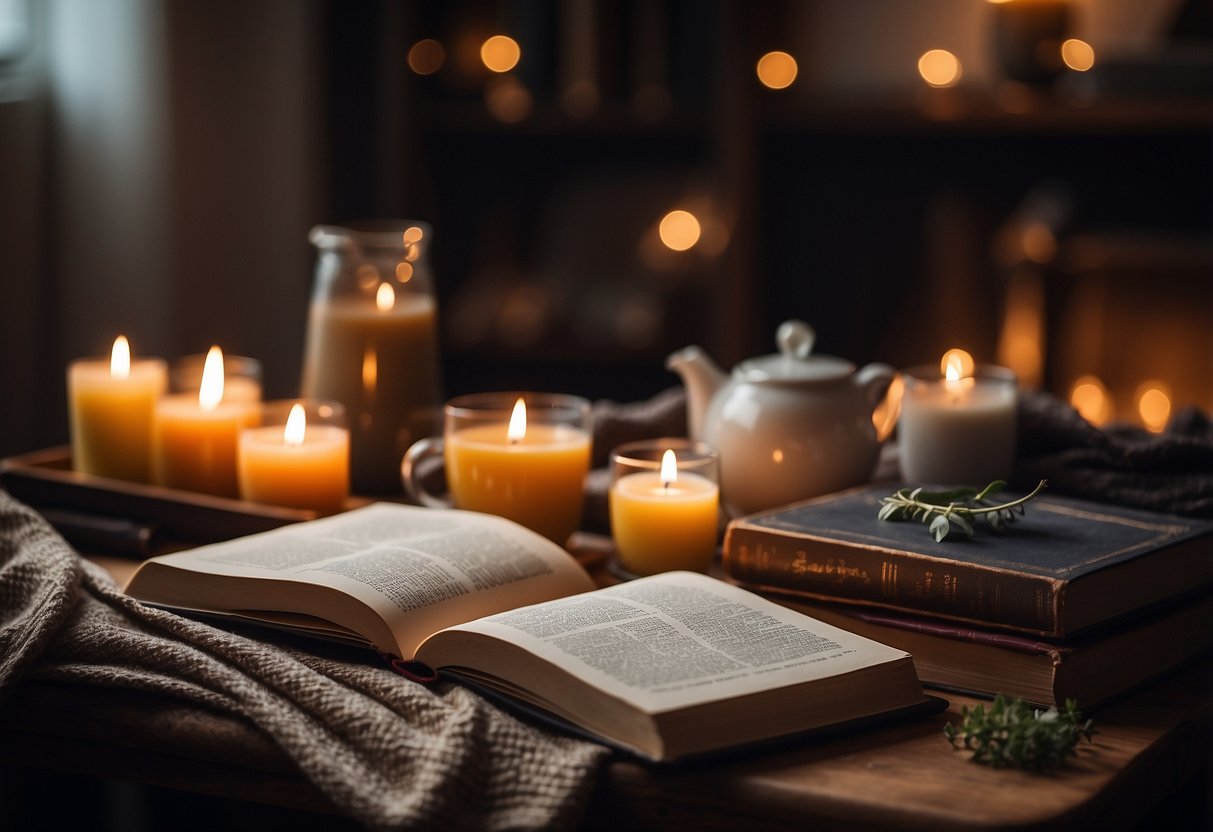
[{"x": 881, "y": 385}]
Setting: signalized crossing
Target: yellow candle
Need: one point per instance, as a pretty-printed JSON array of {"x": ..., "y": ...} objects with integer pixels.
[
  {"x": 110, "y": 410},
  {"x": 664, "y": 520},
  {"x": 534, "y": 478},
  {"x": 380, "y": 360},
  {"x": 299, "y": 465},
  {"x": 195, "y": 436}
]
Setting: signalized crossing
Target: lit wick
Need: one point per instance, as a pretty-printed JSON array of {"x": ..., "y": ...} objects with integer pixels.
[
  {"x": 517, "y": 429},
  {"x": 957, "y": 367},
  {"x": 669, "y": 470}
]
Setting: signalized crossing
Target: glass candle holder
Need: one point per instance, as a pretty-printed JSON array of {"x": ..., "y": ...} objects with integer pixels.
[
  {"x": 298, "y": 456},
  {"x": 664, "y": 505},
  {"x": 372, "y": 342},
  {"x": 523, "y": 456},
  {"x": 957, "y": 431}
]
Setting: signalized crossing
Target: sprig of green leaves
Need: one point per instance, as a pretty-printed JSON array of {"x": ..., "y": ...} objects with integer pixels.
[
  {"x": 954, "y": 513},
  {"x": 1016, "y": 735}
]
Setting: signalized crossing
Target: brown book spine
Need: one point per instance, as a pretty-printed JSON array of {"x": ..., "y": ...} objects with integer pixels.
[{"x": 828, "y": 570}]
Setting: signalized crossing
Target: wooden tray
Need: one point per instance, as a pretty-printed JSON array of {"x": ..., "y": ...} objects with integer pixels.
[{"x": 104, "y": 515}]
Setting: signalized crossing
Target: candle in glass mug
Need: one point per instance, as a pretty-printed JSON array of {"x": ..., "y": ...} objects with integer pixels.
[
  {"x": 532, "y": 474},
  {"x": 111, "y": 405},
  {"x": 957, "y": 426},
  {"x": 372, "y": 345},
  {"x": 523, "y": 456}
]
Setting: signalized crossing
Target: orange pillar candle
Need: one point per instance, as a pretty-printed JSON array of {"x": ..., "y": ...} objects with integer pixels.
[
  {"x": 111, "y": 407},
  {"x": 195, "y": 435},
  {"x": 532, "y": 474},
  {"x": 664, "y": 520},
  {"x": 300, "y": 464}
]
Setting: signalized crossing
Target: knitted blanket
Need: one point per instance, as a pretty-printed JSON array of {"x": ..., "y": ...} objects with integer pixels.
[{"x": 389, "y": 752}]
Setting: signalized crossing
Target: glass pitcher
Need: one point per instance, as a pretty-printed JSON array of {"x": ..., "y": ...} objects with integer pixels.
[{"x": 372, "y": 342}]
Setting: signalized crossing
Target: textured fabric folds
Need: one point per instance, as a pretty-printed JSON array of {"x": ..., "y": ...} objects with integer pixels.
[{"x": 389, "y": 752}]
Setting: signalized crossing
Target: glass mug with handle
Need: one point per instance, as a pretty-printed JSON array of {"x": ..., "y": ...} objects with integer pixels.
[{"x": 523, "y": 456}]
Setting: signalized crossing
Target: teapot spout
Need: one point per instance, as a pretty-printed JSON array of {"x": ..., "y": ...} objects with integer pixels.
[{"x": 702, "y": 378}]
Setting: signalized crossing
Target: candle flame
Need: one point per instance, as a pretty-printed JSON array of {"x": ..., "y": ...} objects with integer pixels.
[
  {"x": 385, "y": 297},
  {"x": 210, "y": 392},
  {"x": 669, "y": 468},
  {"x": 517, "y": 428},
  {"x": 296, "y": 426},
  {"x": 1154, "y": 405},
  {"x": 956, "y": 364},
  {"x": 370, "y": 371},
  {"x": 120, "y": 358},
  {"x": 1090, "y": 398}
]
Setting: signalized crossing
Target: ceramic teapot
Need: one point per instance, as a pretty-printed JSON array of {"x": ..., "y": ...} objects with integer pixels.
[{"x": 788, "y": 426}]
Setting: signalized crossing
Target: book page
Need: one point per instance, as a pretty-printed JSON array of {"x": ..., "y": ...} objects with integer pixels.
[
  {"x": 681, "y": 638},
  {"x": 419, "y": 569}
]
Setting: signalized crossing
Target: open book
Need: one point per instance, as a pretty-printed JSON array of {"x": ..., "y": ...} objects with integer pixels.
[{"x": 668, "y": 666}]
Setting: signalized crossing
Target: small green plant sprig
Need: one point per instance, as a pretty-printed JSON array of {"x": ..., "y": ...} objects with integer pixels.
[
  {"x": 1016, "y": 735},
  {"x": 952, "y": 513}
]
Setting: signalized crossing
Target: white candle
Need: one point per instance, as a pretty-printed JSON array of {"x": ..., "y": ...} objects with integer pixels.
[
  {"x": 379, "y": 358},
  {"x": 960, "y": 429}
]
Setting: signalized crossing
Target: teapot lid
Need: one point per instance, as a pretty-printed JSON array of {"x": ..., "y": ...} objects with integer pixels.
[{"x": 794, "y": 362}]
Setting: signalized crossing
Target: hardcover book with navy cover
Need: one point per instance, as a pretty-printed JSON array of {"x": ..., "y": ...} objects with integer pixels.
[{"x": 1067, "y": 566}]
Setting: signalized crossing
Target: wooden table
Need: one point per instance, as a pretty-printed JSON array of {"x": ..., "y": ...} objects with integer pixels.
[{"x": 1150, "y": 747}]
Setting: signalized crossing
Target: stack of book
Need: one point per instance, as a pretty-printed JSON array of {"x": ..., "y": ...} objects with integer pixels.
[{"x": 1078, "y": 600}]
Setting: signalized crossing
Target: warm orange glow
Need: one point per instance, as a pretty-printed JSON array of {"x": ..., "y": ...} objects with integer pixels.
[
  {"x": 210, "y": 392},
  {"x": 956, "y": 364},
  {"x": 120, "y": 358},
  {"x": 411, "y": 235},
  {"x": 1038, "y": 243},
  {"x": 669, "y": 468},
  {"x": 368, "y": 276},
  {"x": 1090, "y": 398},
  {"x": 1154, "y": 405},
  {"x": 1021, "y": 343},
  {"x": 508, "y": 100},
  {"x": 777, "y": 70},
  {"x": 404, "y": 272},
  {"x": 939, "y": 68},
  {"x": 385, "y": 297},
  {"x": 426, "y": 56},
  {"x": 296, "y": 427},
  {"x": 679, "y": 230},
  {"x": 1078, "y": 54},
  {"x": 500, "y": 53},
  {"x": 370, "y": 372},
  {"x": 884, "y": 417},
  {"x": 516, "y": 432}
]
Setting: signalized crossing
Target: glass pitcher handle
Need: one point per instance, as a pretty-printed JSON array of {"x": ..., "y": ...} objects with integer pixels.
[{"x": 411, "y": 474}]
